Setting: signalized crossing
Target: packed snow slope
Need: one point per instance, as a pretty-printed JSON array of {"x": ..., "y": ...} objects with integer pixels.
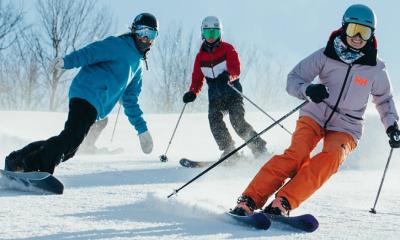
[{"x": 124, "y": 196}]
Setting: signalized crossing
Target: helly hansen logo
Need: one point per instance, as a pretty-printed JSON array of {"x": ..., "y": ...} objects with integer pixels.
[{"x": 360, "y": 81}]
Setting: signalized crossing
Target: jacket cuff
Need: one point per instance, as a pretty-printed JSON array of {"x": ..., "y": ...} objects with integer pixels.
[
  {"x": 303, "y": 89},
  {"x": 67, "y": 63},
  {"x": 388, "y": 122},
  {"x": 141, "y": 128}
]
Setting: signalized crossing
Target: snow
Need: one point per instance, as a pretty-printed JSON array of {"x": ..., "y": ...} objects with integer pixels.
[{"x": 124, "y": 196}]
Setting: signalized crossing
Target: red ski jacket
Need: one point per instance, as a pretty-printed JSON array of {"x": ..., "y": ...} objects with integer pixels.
[{"x": 211, "y": 64}]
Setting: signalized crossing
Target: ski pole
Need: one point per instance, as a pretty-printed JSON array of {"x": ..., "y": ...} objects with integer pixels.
[
  {"x": 164, "y": 158},
  {"x": 255, "y": 105},
  {"x": 237, "y": 149},
  {"x": 383, "y": 178},
  {"x": 115, "y": 124}
]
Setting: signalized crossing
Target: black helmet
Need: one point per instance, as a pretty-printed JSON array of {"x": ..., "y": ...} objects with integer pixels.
[{"x": 145, "y": 19}]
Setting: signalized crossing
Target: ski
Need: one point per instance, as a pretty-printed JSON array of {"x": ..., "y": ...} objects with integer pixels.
[
  {"x": 306, "y": 222},
  {"x": 257, "y": 220},
  {"x": 260, "y": 220},
  {"x": 231, "y": 161},
  {"x": 185, "y": 162},
  {"x": 31, "y": 181},
  {"x": 195, "y": 164}
]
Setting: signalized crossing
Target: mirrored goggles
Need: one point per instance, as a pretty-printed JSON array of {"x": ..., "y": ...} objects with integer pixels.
[
  {"x": 353, "y": 29},
  {"x": 214, "y": 33},
  {"x": 144, "y": 31}
]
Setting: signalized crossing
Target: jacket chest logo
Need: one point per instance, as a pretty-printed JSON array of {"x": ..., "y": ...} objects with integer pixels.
[{"x": 360, "y": 81}]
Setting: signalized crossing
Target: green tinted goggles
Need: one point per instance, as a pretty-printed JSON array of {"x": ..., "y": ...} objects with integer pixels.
[{"x": 214, "y": 33}]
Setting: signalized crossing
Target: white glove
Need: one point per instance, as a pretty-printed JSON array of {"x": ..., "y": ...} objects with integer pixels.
[
  {"x": 146, "y": 142},
  {"x": 57, "y": 64}
]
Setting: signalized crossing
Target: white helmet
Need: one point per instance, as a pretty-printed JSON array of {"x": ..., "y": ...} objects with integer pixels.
[{"x": 211, "y": 22}]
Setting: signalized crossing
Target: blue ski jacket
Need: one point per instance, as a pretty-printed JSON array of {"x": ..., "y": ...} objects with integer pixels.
[{"x": 110, "y": 70}]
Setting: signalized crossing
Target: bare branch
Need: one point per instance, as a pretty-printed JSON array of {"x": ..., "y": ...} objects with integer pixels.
[
  {"x": 10, "y": 19},
  {"x": 67, "y": 25},
  {"x": 173, "y": 58}
]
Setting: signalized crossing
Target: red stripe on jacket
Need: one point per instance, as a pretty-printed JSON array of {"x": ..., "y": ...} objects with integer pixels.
[{"x": 211, "y": 64}]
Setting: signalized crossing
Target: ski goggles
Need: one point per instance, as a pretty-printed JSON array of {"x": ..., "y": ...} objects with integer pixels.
[
  {"x": 354, "y": 29},
  {"x": 144, "y": 31},
  {"x": 214, "y": 33}
]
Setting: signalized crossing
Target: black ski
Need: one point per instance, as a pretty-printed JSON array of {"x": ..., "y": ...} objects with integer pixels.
[
  {"x": 259, "y": 220},
  {"x": 203, "y": 164},
  {"x": 185, "y": 162},
  {"x": 306, "y": 222},
  {"x": 195, "y": 164},
  {"x": 31, "y": 181}
]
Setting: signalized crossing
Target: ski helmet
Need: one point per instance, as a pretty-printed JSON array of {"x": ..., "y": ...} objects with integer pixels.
[
  {"x": 210, "y": 22},
  {"x": 360, "y": 14},
  {"x": 144, "y": 25},
  {"x": 145, "y": 20}
]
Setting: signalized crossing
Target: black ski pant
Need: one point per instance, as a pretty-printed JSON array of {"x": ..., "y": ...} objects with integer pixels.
[
  {"x": 47, "y": 154},
  {"x": 233, "y": 105}
]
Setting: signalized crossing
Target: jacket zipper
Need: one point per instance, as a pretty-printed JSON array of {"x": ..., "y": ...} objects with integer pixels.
[
  {"x": 340, "y": 95},
  {"x": 212, "y": 70}
]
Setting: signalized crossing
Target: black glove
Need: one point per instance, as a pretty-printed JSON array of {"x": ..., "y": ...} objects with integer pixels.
[
  {"x": 189, "y": 97},
  {"x": 224, "y": 77},
  {"x": 393, "y": 133},
  {"x": 317, "y": 92}
]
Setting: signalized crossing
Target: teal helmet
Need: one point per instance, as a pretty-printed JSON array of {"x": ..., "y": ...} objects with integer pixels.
[{"x": 360, "y": 14}]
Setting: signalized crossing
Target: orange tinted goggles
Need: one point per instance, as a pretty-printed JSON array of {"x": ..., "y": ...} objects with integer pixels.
[{"x": 354, "y": 29}]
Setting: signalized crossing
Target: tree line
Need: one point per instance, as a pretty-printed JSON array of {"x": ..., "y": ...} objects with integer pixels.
[{"x": 27, "y": 49}]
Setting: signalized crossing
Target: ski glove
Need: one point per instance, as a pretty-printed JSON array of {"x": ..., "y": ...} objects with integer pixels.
[
  {"x": 224, "y": 77},
  {"x": 189, "y": 97},
  {"x": 317, "y": 92},
  {"x": 393, "y": 133},
  {"x": 57, "y": 64},
  {"x": 146, "y": 142}
]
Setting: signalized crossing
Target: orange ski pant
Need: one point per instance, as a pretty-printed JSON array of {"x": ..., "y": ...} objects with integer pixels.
[{"x": 306, "y": 174}]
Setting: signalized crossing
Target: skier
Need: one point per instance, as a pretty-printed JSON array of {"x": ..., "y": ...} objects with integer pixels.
[
  {"x": 103, "y": 79},
  {"x": 349, "y": 71},
  {"x": 88, "y": 145},
  {"x": 218, "y": 62}
]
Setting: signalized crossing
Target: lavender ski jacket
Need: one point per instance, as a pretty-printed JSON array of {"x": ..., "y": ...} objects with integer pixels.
[{"x": 349, "y": 89}]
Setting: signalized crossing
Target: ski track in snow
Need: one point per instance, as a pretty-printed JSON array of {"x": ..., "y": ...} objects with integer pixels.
[{"x": 124, "y": 196}]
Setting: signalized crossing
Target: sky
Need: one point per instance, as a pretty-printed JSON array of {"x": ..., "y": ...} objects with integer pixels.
[
  {"x": 291, "y": 29},
  {"x": 294, "y": 28}
]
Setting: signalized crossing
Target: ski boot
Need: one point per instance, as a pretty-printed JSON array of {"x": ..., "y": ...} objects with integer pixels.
[
  {"x": 245, "y": 206},
  {"x": 17, "y": 162},
  {"x": 232, "y": 159},
  {"x": 257, "y": 147},
  {"x": 279, "y": 206},
  {"x": 260, "y": 152}
]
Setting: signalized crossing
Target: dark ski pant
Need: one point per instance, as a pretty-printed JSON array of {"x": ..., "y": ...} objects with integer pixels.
[
  {"x": 233, "y": 105},
  {"x": 47, "y": 154}
]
